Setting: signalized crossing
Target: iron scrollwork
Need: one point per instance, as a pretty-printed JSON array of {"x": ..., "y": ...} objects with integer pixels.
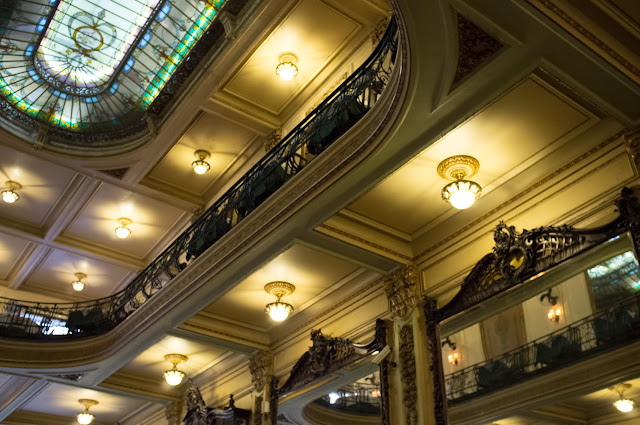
[{"x": 516, "y": 258}]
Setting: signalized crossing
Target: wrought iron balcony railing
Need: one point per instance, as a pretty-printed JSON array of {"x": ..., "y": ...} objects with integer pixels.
[
  {"x": 326, "y": 123},
  {"x": 605, "y": 330}
]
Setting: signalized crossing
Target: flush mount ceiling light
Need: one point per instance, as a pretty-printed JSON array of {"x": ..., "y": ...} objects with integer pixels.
[
  {"x": 174, "y": 376},
  {"x": 623, "y": 404},
  {"x": 85, "y": 417},
  {"x": 123, "y": 231},
  {"x": 78, "y": 284},
  {"x": 9, "y": 195},
  {"x": 461, "y": 194},
  {"x": 200, "y": 166},
  {"x": 278, "y": 310},
  {"x": 287, "y": 68}
]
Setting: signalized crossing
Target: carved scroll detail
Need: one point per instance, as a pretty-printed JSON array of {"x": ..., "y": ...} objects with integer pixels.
[{"x": 408, "y": 371}]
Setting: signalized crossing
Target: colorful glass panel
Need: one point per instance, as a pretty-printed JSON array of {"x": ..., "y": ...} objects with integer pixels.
[{"x": 83, "y": 66}]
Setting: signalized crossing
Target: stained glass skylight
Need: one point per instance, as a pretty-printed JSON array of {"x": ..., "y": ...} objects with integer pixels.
[{"x": 90, "y": 66}]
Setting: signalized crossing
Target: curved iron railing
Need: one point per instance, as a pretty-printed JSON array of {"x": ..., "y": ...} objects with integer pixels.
[
  {"x": 605, "y": 330},
  {"x": 331, "y": 119}
]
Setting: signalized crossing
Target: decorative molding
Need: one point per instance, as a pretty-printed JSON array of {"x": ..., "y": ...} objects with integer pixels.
[
  {"x": 474, "y": 47},
  {"x": 587, "y": 37},
  {"x": 363, "y": 241},
  {"x": 408, "y": 373},
  {"x": 400, "y": 289},
  {"x": 261, "y": 368}
]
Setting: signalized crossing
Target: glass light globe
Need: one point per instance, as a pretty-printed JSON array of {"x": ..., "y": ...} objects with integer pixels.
[
  {"x": 287, "y": 70},
  {"x": 173, "y": 377},
  {"x": 85, "y": 418},
  {"x": 200, "y": 166},
  {"x": 461, "y": 194},
  {"x": 122, "y": 232},
  {"x": 78, "y": 285},
  {"x": 9, "y": 196},
  {"x": 278, "y": 311},
  {"x": 624, "y": 405}
]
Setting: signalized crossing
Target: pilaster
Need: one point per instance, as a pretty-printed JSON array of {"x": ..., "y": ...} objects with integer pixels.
[
  {"x": 411, "y": 384},
  {"x": 261, "y": 367}
]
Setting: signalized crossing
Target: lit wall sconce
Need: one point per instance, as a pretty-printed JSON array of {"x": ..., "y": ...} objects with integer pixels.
[
  {"x": 554, "y": 314},
  {"x": 123, "y": 231},
  {"x": 278, "y": 310},
  {"x": 9, "y": 195},
  {"x": 454, "y": 357},
  {"x": 200, "y": 166},
  {"x": 85, "y": 417},
  {"x": 287, "y": 68},
  {"x": 78, "y": 284},
  {"x": 174, "y": 376},
  {"x": 623, "y": 404},
  {"x": 461, "y": 194}
]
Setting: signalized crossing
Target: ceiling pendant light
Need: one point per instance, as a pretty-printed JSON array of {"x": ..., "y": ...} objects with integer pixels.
[
  {"x": 461, "y": 194},
  {"x": 278, "y": 310},
  {"x": 200, "y": 166},
  {"x": 174, "y": 376},
  {"x": 9, "y": 195},
  {"x": 623, "y": 404},
  {"x": 287, "y": 68},
  {"x": 123, "y": 231},
  {"x": 85, "y": 417},
  {"x": 78, "y": 284}
]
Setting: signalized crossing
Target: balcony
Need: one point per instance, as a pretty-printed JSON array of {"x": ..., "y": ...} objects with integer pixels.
[{"x": 340, "y": 111}]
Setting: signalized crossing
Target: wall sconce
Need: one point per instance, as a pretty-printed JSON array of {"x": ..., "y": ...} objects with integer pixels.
[
  {"x": 174, "y": 376},
  {"x": 78, "y": 284},
  {"x": 461, "y": 194},
  {"x": 9, "y": 195},
  {"x": 200, "y": 166},
  {"x": 85, "y": 417},
  {"x": 454, "y": 357},
  {"x": 278, "y": 310},
  {"x": 624, "y": 405},
  {"x": 123, "y": 231},
  {"x": 287, "y": 68},
  {"x": 554, "y": 314}
]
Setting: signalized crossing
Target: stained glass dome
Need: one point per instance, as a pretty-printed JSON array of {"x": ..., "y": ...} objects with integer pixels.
[{"x": 85, "y": 72}]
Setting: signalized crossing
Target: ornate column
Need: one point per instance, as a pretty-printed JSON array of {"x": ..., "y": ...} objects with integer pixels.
[
  {"x": 411, "y": 384},
  {"x": 261, "y": 368},
  {"x": 173, "y": 413}
]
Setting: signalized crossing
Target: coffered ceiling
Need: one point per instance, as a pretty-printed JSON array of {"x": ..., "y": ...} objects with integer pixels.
[{"x": 64, "y": 221}]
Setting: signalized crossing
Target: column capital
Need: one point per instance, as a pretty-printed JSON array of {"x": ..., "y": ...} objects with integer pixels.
[
  {"x": 261, "y": 368},
  {"x": 401, "y": 289}
]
